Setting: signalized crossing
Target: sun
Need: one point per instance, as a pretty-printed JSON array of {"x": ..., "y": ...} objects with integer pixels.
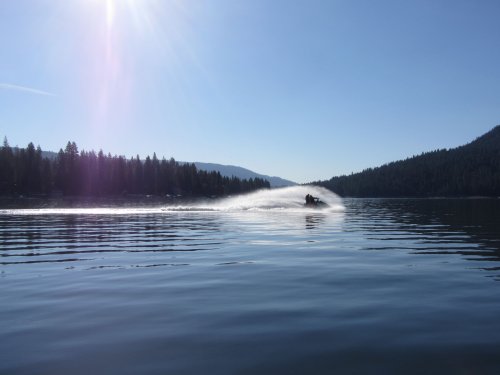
[
  {"x": 109, "y": 10},
  {"x": 118, "y": 37},
  {"x": 131, "y": 13},
  {"x": 110, "y": 13}
]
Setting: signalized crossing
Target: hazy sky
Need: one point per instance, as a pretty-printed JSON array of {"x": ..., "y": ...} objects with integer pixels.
[{"x": 303, "y": 90}]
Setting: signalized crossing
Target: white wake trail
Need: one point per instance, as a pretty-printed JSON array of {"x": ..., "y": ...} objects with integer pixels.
[{"x": 289, "y": 198}]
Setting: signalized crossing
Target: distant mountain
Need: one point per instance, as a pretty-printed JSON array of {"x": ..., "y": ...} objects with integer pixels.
[
  {"x": 49, "y": 154},
  {"x": 469, "y": 170},
  {"x": 225, "y": 171},
  {"x": 242, "y": 173}
]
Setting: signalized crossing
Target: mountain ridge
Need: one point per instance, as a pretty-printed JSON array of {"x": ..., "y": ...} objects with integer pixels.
[{"x": 240, "y": 172}]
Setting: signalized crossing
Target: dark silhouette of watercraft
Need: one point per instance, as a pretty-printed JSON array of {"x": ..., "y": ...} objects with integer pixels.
[{"x": 314, "y": 202}]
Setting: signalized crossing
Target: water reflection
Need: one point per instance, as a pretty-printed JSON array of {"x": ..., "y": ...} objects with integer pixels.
[
  {"x": 111, "y": 236},
  {"x": 314, "y": 221},
  {"x": 465, "y": 227},
  {"x": 69, "y": 238},
  {"x": 153, "y": 292},
  {"x": 468, "y": 228}
]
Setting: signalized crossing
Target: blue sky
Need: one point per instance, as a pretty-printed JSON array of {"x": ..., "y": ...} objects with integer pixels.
[{"x": 304, "y": 90}]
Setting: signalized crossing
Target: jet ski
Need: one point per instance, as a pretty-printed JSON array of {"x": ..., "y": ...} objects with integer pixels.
[{"x": 315, "y": 203}]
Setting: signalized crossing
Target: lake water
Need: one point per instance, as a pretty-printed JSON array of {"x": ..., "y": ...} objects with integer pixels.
[{"x": 392, "y": 286}]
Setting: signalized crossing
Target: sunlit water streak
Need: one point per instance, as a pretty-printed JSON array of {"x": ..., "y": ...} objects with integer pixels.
[{"x": 369, "y": 286}]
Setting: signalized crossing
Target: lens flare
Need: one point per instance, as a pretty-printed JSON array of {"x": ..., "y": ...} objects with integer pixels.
[{"x": 121, "y": 45}]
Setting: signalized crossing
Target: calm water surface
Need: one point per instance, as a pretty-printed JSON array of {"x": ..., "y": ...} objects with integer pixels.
[{"x": 386, "y": 286}]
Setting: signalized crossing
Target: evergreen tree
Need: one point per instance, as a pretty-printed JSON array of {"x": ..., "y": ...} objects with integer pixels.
[
  {"x": 7, "y": 168},
  {"x": 87, "y": 174}
]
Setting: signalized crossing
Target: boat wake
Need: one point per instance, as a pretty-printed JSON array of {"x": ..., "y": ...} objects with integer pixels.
[
  {"x": 288, "y": 199},
  {"x": 282, "y": 199}
]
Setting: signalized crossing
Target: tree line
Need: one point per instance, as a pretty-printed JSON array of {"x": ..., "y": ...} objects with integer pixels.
[
  {"x": 469, "y": 170},
  {"x": 87, "y": 173}
]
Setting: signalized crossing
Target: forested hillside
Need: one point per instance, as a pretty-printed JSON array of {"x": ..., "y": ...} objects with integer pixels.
[
  {"x": 225, "y": 171},
  {"x": 470, "y": 170},
  {"x": 74, "y": 173}
]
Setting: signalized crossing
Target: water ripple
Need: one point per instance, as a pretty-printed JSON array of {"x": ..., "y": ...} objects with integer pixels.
[{"x": 149, "y": 291}]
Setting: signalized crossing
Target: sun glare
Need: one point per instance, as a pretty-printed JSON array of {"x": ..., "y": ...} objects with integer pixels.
[
  {"x": 120, "y": 36},
  {"x": 110, "y": 13}
]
